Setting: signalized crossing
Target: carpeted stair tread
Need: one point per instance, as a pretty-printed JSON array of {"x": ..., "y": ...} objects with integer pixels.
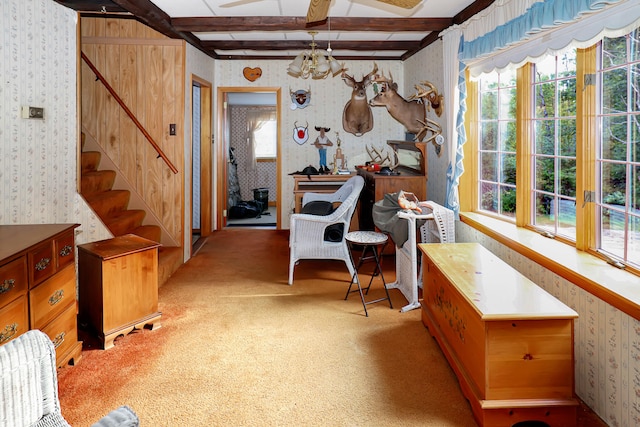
[
  {"x": 120, "y": 223},
  {"x": 151, "y": 232},
  {"x": 96, "y": 181},
  {"x": 109, "y": 202},
  {"x": 90, "y": 161}
]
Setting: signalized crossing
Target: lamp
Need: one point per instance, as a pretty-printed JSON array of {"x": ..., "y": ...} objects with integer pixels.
[{"x": 314, "y": 63}]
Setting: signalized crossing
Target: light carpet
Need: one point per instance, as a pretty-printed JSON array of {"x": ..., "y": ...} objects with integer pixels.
[{"x": 239, "y": 347}]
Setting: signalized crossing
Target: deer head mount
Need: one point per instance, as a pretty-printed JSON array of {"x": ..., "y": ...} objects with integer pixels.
[
  {"x": 412, "y": 113},
  {"x": 357, "y": 117}
]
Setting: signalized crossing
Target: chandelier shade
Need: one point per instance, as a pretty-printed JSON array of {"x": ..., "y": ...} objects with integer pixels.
[{"x": 315, "y": 63}]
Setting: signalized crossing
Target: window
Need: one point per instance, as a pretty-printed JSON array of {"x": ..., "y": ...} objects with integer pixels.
[
  {"x": 497, "y": 147},
  {"x": 618, "y": 152},
  {"x": 572, "y": 121},
  {"x": 553, "y": 147},
  {"x": 266, "y": 140}
]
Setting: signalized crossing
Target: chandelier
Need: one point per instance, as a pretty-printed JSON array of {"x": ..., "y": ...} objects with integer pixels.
[{"x": 315, "y": 63}]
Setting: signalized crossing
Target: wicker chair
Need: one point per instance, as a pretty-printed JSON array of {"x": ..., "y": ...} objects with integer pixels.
[
  {"x": 29, "y": 386},
  {"x": 307, "y": 232}
]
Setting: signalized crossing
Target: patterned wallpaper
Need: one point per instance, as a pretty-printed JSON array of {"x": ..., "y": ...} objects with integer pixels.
[
  {"x": 606, "y": 344},
  {"x": 328, "y": 98},
  {"x": 38, "y": 158}
]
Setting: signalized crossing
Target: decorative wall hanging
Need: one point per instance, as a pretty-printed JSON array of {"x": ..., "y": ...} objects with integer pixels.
[
  {"x": 300, "y": 134},
  {"x": 252, "y": 74},
  {"x": 300, "y": 98},
  {"x": 357, "y": 117}
]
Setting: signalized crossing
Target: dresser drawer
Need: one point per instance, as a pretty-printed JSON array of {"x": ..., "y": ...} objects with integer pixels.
[
  {"x": 65, "y": 250},
  {"x": 13, "y": 280},
  {"x": 63, "y": 331},
  {"x": 14, "y": 319},
  {"x": 52, "y": 296},
  {"x": 42, "y": 263}
]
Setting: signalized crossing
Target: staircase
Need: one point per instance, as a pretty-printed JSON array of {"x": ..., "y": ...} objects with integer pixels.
[{"x": 112, "y": 207}]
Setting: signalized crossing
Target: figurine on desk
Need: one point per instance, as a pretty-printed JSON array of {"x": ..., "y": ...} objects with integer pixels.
[{"x": 321, "y": 143}]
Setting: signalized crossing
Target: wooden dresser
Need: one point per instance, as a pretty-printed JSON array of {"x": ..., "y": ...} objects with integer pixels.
[
  {"x": 509, "y": 342},
  {"x": 38, "y": 285}
]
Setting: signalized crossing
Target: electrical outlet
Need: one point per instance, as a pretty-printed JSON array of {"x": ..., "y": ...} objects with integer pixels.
[{"x": 32, "y": 112}]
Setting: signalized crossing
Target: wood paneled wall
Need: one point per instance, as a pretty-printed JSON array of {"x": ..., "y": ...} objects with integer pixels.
[{"x": 146, "y": 70}]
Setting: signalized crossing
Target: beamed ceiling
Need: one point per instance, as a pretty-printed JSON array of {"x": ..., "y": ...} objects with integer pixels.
[{"x": 277, "y": 29}]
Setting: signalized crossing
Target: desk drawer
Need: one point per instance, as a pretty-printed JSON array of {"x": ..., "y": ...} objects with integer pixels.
[
  {"x": 14, "y": 319},
  {"x": 51, "y": 297},
  {"x": 63, "y": 331},
  {"x": 13, "y": 280}
]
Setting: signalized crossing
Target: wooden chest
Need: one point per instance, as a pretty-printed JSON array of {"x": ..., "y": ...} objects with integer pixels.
[
  {"x": 38, "y": 285},
  {"x": 509, "y": 342}
]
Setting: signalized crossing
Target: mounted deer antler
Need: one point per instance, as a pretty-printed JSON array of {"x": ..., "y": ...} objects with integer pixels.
[
  {"x": 436, "y": 100},
  {"x": 357, "y": 117},
  {"x": 376, "y": 157}
]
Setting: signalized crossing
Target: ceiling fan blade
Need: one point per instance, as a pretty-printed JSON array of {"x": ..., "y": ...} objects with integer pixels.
[
  {"x": 239, "y": 3},
  {"x": 405, "y": 4},
  {"x": 318, "y": 10}
]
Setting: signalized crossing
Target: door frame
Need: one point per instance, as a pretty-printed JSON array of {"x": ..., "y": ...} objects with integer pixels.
[
  {"x": 206, "y": 163},
  {"x": 223, "y": 151}
]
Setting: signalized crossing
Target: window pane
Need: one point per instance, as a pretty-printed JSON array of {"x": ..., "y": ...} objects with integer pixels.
[
  {"x": 567, "y": 177},
  {"x": 614, "y": 91},
  {"x": 635, "y": 81},
  {"x": 633, "y": 252},
  {"x": 567, "y": 97},
  {"x": 545, "y": 174},
  {"x": 612, "y": 232},
  {"x": 614, "y": 138},
  {"x": 567, "y": 218},
  {"x": 508, "y": 199},
  {"x": 614, "y": 51},
  {"x": 634, "y": 47},
  {"x": 489, "y": 197},
  {"x": 545, "y": 137},
  {"x": 545, "y": 94},
  {"x": 613, "y": 183},
  {"x": 508, "y": 104},
  {"x": 543, "y": 211},
  {"x": 567, "y": 137},
  {"x": 634, "y": 138},
  {"x": 489, "y": 167},
  {"x": 546, "y": 69},
  {"x": 489, "y": 136},
  {"x": 508, "y": 136},
  {"x": 508, "y": 169},
  {"x": 489, "y": 109},
  {"x": 634, "y": 191},
  {"x": 266, "y": 140}
]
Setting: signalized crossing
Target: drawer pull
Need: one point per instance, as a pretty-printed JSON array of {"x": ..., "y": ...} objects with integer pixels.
[
  {"x": 43, "y": 264},
  {"x": 7, "y": 285},
  {"x": 8, "y": 333},
  {"x": 56, "y": 297},
  {"x": 66, "y": 250},
  {"x": 59, "y": 339}
]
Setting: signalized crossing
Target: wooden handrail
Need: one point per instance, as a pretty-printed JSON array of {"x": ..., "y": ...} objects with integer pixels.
[{"x": 129, "y": 113}]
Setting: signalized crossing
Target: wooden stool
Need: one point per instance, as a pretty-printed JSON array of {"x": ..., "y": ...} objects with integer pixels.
[{"x": 376, "y": 242}]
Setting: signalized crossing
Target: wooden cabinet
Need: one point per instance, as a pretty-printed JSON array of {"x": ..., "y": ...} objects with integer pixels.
[
  {"x": 118, "y": 286},
  {"x": 509, "y": 342},
  {"x": 38, "y": 285},
  {"x": 315, "y": 184}
]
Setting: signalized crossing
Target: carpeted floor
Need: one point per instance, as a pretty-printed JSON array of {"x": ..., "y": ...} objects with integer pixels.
[{"x": 239, "y": 347}]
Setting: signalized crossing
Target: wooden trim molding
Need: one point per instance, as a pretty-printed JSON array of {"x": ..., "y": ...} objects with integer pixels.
[{"x": 617, "y": 287}]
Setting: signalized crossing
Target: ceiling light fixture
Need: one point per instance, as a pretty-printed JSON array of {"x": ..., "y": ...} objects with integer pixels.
[{"x": 314, "y": 63}]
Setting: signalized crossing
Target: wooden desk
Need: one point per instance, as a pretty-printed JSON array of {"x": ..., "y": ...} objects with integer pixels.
[
  {"x": 316, "y": 184},
  {"x": 118, "y": 286},
  {"x": 509, "y": 341}
]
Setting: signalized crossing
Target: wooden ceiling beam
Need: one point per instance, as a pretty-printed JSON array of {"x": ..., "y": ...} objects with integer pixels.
[
  {"x": 305, "y": 44},
  {"x": 236, "y": 24}
]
